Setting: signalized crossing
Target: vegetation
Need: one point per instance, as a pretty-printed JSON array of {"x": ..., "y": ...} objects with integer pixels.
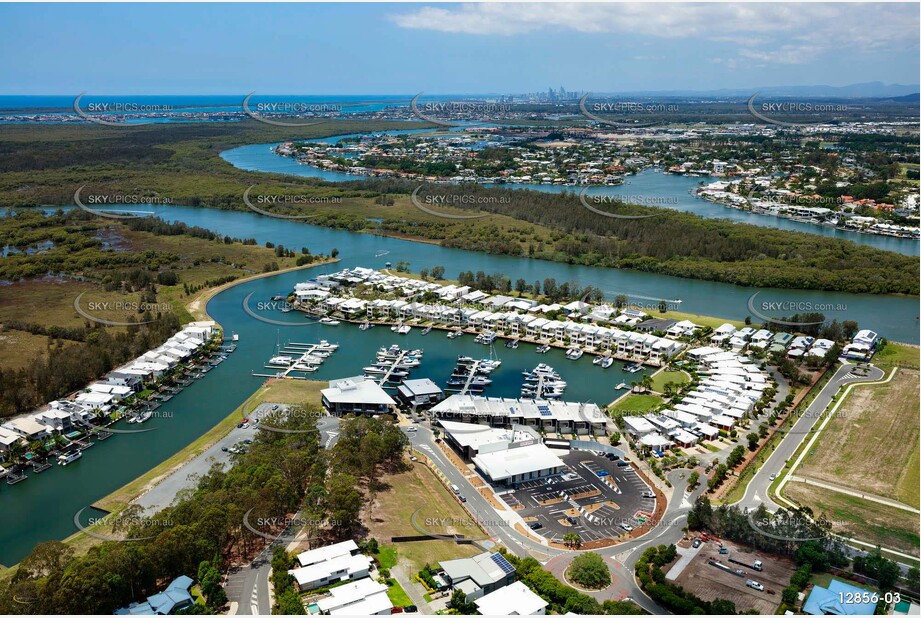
[
  {"x": 43, "y": 164},
  {"x": 563, "y": 598},
  {"x": 652, "y": 580},
  {"x": 589, "y": 571}
]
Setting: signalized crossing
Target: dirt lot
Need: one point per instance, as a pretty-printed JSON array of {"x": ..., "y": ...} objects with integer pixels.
[
  {"x": 709, "y": 582},
  {"x": 877, "y": 424}
]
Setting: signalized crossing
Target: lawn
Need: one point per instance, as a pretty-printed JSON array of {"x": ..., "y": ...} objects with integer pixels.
[
  {"x": 28, "y": 348},
  {"x": 664, "y": 377},
  {"x": 898, "y": 354},
  {"x": 397, "y": 595},
  {"x": 872, "y": 441},
  {"x": 632, "y": 405},
  {"x": 864, "y": 520},
  {"x": 419, "y": 492}
]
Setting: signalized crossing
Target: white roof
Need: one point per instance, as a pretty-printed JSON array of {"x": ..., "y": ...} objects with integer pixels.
[
  {"x": 354, "y": 390},
  {"x": 347, "y": 595},
  {"x": 514, "y": 599},
  {"x": 328, "y": 552},
  {"x": 323, "y": 570},
  {"x": 501, "y": 465}
]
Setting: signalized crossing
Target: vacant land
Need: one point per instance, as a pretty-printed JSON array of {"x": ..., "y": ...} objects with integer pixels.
[
  {"x": 899, "y": 354},
  {"x": 709, "y": 582},
  {"x": 664, "y": 377},
  {"x": 26, "y": 348},
  {"x": 635, "y": 404},
  {"x": 862, "y": 519},
  {"x": 418, "y": 496},
  {"x": 871, "y": 444}
]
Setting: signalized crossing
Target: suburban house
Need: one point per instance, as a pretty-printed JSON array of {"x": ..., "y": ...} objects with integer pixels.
[{"x": 479, "y": 575}]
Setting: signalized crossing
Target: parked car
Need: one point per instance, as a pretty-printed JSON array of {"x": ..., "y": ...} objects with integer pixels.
[
  {"x": 462, "y": 498},
  {"x": 535, "y": 525},
  {"x": 753, "y": 584},
  {"x": 724, "y": 550},
  {"x": 247, "y": 441},
  {"x": 773, "y": 476},
  {"x": 696, "y": 543},
  {"x": 224, "y": 449},
  {"x": 396, "y": 610},
  {"x": 410, "y": 608},
  {"x": 626, "y": 527},
  {"x": 275, "y": 407}
]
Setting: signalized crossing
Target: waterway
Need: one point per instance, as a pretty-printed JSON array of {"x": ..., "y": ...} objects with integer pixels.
[
  {"x": 43, "y": 507},
  {"x": 649, "y": 187}
]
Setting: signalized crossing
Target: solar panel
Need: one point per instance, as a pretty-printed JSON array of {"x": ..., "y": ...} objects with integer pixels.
[
  {"x": 546, "y": 413},
  {"x": 502, "y": 563}
]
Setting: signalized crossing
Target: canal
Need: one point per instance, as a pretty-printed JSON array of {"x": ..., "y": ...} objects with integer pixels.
[{"x": 43, "y": 507}]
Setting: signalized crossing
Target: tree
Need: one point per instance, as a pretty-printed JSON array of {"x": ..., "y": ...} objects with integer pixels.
[
  {"x": 334, "y": 253},
  {"x": 693, "y": 479},
  {"x": 620, "y": 301},
  {"x": 438, "y": 272},
  {"x": 752, "y": 441},
  {"x": 571, "y": 539},
  {"x": 521, "y": 286},
  {"x": 461, "y": 605},
  {"x": 590, "y": 570}
]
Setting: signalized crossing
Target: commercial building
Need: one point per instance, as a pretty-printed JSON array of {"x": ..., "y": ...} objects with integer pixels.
[
  {"x": 547, "y": 416},
  {"x": 416, "y": 393},
  {"x": 358, "y": 395}
]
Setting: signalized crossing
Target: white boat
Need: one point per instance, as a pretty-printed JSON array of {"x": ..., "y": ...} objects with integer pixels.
[
  {"x": 378, "y": 371},
  {"x": 454, "y": 334},
  {"x": 574, "y": 354},
  {"x": 144, "y": 417},
  {"x": 281, "y": 360},
  {"x": 404, "y": 329},
  {"x": 235, "y": 337},
  {"x": 326, "y": 345},
  {"x": 365, "y": 326},
  {"x": 607, "y": 362},
  {"x": 621, "y": 386},
  {"x": 329, "y": 321},
  {"x": 597, "y": 360},
  {"x": 63, "y": 460},
  {"x": 542, "y": 349}
]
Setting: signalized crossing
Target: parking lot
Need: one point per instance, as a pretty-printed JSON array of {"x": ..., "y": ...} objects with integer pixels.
[
  {"x": 710, "y": 582},
  {"x": 594, "y": 497}
]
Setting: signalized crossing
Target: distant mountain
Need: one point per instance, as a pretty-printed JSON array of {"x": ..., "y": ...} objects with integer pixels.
[
  {"x": 868, "y": 90},
  {"x": 908, "y": 98}
]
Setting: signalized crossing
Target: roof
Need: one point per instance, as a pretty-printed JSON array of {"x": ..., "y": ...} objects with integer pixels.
[
  {"x": 328, "y": 552},
  {"x": 484, "y": 569},
  {"x": 514, "y": 599},
  {"x": 354, "y": 390},
  {"x": 345, "y": 565},
  {"x": 505, "y": 464},
  {"x": 352, "y": 593},
  {"x": 420, "y": 387},
  {"x": 476, "y": 436},
  {"x": 823, "y": 601}
]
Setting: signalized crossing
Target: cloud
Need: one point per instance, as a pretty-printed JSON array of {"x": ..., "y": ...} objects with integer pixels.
[{"x": 765, "y": 33}]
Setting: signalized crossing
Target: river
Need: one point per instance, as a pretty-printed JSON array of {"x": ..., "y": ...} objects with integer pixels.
[
  {"x": 648, "y": 187},
  {"x": 43, "y": 508}
]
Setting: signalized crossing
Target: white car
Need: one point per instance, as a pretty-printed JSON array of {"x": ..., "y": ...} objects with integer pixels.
[
  {"x": 753, "y": 584},
  {"x": 773, "y": 476},
  {"x": 412, "y": 429}
]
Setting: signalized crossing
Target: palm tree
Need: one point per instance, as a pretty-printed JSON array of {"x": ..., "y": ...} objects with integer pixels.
[{"x": 571, "y": 539}]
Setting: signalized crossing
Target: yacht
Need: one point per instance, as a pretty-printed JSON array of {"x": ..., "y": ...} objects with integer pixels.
[
  {"x": 512, "y": 344},
  {"x": 281, "y": 360},
  {"x": 404, "y": 329},
  {"x": 67, "y": 458},
  {"x": 375, "y": 370},
  {"x": 427, "y": 330},
  {"x": 327, "y": 346},
  {"x": 597, "y": 360},
  {"x": 542, "y": 349},
  {"x": 607, "y": 362},
  {"x": 330, "y": 321},
  {"x": 454, "y": 334},
  {"x": 574, "y": 353}
]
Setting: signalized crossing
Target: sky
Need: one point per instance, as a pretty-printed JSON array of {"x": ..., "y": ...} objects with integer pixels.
[{"x": 385, "y": 48}]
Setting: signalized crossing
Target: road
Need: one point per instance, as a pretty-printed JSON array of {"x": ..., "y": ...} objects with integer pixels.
[{"x": 757, "y": 491}]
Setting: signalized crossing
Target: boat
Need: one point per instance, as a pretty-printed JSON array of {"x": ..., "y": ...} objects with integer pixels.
[
  {"x": 620, "y": 387},
  {"x": 68, "y": 458},
  {"x": 286, "y": 309},
  {"x": 427, "y": 330},
  {"x": 542, "y": 349},
  {"x": 235, "y": 337},
  {"x": 281, "y": 360},
  {"x": 574, "y": 353},
  {"x": 512, "y": 344},
  {"x": 365, "y": 326},
  {"x": 633, "y": 368},
  {"x": 375, "y": 370},
  {"x": 607, "y": 362},
  {"x": 404, "y": 329},
  {"x": 486, "y": 338},
  {"x": 597, "y": 360},
  {"x": 417, "y": 352},
  {"x": 327, "y": 346},
  {"x": 144, "y": 416},
  {"x": 330, "y": 321}
]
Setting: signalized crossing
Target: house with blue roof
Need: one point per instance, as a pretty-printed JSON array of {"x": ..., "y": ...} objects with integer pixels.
[
  {"x": 175, "y": 597},
  {"x": 834, "y": 600}
]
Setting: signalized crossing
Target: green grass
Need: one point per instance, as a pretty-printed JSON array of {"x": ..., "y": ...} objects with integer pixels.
[
  {"x": 898, "y": 354},
  {"x": 824, "y": 579},
  {"x": 633, "y": 405},
  {"x": 397, "y": 595},
  {"x": 664, "y": 377},
  {"x": 387, "y": 556}
]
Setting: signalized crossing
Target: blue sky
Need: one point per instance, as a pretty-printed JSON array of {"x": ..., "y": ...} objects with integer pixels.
[{"x": 449, "y": 48}]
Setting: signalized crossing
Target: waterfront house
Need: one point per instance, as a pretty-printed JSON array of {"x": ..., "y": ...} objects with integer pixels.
[
  {"x": 7, "y": 439},
  {"x": 28, "y": 427},
  {"x": 174, "y": 598}
]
